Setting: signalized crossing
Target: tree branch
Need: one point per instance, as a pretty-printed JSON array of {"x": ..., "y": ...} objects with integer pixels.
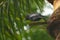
[{"x": 37, "y": 23}]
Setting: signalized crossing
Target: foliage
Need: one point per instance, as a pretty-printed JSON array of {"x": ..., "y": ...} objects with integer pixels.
[{"x": 12, "y": 20}]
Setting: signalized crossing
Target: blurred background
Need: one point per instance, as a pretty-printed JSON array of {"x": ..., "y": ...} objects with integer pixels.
[{"x": 24, "y": 19}]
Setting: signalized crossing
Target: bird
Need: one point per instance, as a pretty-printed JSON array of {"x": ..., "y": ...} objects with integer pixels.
[{"x": 34, "y": 17}]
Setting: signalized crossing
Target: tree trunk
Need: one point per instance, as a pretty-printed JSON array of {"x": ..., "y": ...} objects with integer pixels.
[
  {"x": 56, "y": 5},
  {"x": 55, "y": 17}
]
